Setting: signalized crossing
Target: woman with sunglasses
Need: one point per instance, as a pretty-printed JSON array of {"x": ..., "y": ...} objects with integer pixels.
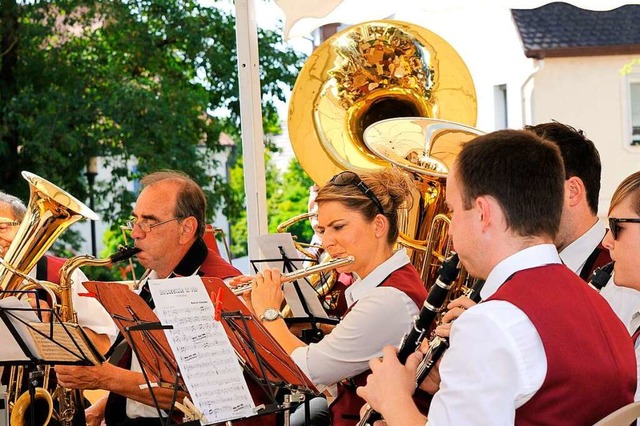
[
  {"x": 623, "y": 242},
  {"x": 357, "y": 216}
]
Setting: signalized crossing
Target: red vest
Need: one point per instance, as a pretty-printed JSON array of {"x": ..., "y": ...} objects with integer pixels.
[
  {"x": 346, "y": 407},
  {"x": 591, "y": 366},
  {"x": 215, "y": 266}
]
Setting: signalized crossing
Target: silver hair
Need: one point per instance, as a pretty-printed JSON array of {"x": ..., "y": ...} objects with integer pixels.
[{"x": 17, "y": 206}]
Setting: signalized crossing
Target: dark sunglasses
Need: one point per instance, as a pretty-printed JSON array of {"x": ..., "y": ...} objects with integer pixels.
[
  {"x": 614, "y": 226},
  {"x": 352, "y": 178}
]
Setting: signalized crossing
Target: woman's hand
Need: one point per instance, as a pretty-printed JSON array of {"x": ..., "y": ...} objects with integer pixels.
[
  {"x": 245, "y": 296},
  {"x": 267, "y": 291}
]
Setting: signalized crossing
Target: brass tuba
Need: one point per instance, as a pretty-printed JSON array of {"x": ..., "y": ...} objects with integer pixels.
[
  {"x": 50, "y": 211},
  {"x": 387, "y": 93}
]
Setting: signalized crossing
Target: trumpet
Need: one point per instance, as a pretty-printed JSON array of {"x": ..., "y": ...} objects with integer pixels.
[{"x": 301, "y": 273}]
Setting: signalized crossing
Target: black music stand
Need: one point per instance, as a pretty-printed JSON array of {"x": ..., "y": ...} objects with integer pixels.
[
  {"x": 264, "y": 361},
  {"x": 288, "y": 264},
  {"x": 29, "y": 342}
]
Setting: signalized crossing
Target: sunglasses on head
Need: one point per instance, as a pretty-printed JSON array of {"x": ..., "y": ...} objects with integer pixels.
[
  {"x": 614, "y": 224},
  {"x": 352, "y": 178}
]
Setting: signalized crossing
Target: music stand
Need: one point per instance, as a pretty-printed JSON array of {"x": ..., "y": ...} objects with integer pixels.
[
  {"x": 142, "y": 330},
  {"x": 264, "y": 361},
  {"x": 30, "y": 342},
  {"x": 280, "y": 252}
]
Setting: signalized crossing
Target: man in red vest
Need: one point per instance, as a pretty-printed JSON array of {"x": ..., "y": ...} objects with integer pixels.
[
  {"x": 168, "y": 226},
  {"x": 542, "y": 348},
  {"x": 579, "y": 240}
]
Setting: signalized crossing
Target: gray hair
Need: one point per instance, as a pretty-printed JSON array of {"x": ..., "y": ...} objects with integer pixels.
[{"x": 17, "y": 206}]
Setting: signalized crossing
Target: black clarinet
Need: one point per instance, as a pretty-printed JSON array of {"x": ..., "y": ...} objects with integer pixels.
[
  {"x": 601, "y": 276},
  {"x": 438, "y": 345},
  {"x": 411, "y": 341}
]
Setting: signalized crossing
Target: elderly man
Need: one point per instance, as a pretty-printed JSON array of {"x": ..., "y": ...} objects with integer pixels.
[
  {"x": 91, "y": 315},
  {"x": 168, "y": 226}
]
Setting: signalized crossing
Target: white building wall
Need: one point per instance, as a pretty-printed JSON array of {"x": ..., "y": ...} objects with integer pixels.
[{"x": 589, "y": 93}]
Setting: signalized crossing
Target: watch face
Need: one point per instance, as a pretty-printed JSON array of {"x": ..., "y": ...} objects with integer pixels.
[{"x": 270, "y": 314}]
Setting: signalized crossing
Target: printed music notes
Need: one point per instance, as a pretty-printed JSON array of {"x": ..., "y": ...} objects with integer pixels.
[{"x": 206, "y": 358}]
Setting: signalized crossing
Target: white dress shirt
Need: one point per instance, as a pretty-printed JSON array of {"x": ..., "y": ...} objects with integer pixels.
[
  {"x": 381, "y": 317},
  {"x": 496, "y": 361},
  {"x": 634, "y": 325},
  {"x": 575, "y": 255}
]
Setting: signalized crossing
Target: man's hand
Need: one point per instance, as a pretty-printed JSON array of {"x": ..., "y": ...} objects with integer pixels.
[
  {"x": 42, "y": 305},
  {"x": 390, "y": 387},
  {"x": 455, "y": 308},
  {"x": 92, "y": 377},
  {"x": 95, "y": 414}
]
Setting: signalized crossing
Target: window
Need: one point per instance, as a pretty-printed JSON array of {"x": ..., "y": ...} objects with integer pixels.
[
  {"x": 634, "y": 98},
  {"x": 500, "y": 106}
]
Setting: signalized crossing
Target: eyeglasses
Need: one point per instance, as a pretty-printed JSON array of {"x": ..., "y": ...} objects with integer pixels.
[
  {"x": 352, "y": 178},
  {"x": 6, "y": 223},
  {"x": 144, "y": 225},
  {"x": 615, "y": 227}
]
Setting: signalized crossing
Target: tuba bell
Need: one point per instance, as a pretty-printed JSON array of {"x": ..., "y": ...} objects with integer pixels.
[
  {"x": 388, "y": 93},
  {"x": 50, "y": 211}
]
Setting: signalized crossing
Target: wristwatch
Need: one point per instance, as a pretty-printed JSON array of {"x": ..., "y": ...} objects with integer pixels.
[{"x": 270, "y": 314}]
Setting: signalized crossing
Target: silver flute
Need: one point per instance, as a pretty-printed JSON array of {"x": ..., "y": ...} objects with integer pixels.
[{"x": 301, "y": 273}]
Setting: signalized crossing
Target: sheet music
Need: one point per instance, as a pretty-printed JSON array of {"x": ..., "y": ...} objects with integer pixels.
[
  {"x": 310, "y": 297},
  {"x": 9, "y": 349},
  {"x": 203, "y": 351},
  {"x": 270, "y": 246},
  {"x": 67, "y": 336}
]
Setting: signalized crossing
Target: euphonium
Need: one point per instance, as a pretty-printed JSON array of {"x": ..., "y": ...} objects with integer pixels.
[
  {"x": 50, "y": 211},
  {"x": 67, "y": 400}
]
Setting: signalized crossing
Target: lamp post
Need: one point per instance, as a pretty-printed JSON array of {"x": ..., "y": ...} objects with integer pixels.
[{"x": 92, "y": 172}]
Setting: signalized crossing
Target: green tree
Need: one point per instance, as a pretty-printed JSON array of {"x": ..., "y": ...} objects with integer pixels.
[
  {"x": 290, "y": 199},
  {"x": 131, "y": 81}
]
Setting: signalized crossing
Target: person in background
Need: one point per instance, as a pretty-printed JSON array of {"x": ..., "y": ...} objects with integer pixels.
[
  {"x": 542, "y": 346},
  {"x": 579, "y": 240},
  {"x": 623, "y": 242},
  {"x": 91, "y": 315}
]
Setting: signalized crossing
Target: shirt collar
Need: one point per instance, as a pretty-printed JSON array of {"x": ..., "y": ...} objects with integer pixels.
[
  {"x": 575, "y": 254},
  {"x": 363, "y": 286},
  {"x": 531, "y": 257}
]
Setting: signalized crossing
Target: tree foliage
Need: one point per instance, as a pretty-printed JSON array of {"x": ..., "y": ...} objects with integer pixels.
[{"x": 132, "y": 81}]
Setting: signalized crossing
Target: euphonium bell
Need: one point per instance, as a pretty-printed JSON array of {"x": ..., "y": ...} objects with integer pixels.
[{"x": 50, "y": 211}]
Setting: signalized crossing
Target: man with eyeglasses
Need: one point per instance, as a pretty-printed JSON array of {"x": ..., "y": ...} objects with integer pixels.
[
  {"x": 93, "y": 318},
  {"x": 168, "y": 225}
]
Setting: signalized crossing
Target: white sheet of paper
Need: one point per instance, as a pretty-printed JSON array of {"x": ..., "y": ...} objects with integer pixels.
[
  {"x": 270, "y": 244},
  {"x": 310, "y": 297},
  {"x": 9, "y": 349},
  {"x": 203, "y": 351}
]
